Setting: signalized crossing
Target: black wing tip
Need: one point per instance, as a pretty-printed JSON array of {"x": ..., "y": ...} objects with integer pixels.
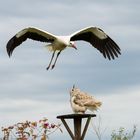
[
  {"x": 11, "y": 45},
  {"x": 9, "y": 54},
  {"x": 8, "y": 50},
  {"x": 111, "y": 58},
  {"x": 113, "y": 48},
  {"x": 111, "y": 55}
]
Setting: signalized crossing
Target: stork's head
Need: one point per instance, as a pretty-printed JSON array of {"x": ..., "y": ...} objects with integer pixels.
[{"x": 72, "y": 44}]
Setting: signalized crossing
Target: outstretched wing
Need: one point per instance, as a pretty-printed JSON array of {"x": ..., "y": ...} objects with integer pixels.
[
  {"x": 31, "y": 33},
  {"x": 99, "y": 39}
]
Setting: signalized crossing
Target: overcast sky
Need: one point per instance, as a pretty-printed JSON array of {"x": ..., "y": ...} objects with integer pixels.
[{"x": 29, "y": 92}]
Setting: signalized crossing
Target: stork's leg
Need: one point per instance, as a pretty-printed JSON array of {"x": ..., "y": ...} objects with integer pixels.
[
  {"x": 51, "y": 60},
  {"x": 56, "y": 59}
]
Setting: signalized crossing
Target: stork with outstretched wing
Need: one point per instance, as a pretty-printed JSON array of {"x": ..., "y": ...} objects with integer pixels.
[{"x": 95, "y": 36}]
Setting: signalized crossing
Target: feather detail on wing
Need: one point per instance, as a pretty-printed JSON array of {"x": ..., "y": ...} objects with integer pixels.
[
  {"x": 31, "y": 33},
  {"x": 98, "y": 39},
  {"x": 84, "y": 99}
]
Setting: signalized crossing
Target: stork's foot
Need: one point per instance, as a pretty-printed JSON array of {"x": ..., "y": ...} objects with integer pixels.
[
  {"x": 48, "y": 68},
  {"x": 53, "y": 66}
]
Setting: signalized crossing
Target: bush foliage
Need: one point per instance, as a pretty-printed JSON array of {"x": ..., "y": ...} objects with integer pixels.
[
  {"x": 30, "y": 130},
  {"x": 123, "y": 135}
]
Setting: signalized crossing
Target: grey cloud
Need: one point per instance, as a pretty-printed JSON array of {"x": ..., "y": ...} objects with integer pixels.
[{"x": 23, "y": 76}]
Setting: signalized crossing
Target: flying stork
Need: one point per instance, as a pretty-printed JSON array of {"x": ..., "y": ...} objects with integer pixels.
[{"x": 95, "y": 36}]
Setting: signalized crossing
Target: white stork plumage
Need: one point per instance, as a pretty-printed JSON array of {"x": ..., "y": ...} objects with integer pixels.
[{"x": 95, "y": 36}]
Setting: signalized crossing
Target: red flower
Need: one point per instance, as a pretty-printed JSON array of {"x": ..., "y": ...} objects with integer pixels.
[{"x": 46, "y": 125}]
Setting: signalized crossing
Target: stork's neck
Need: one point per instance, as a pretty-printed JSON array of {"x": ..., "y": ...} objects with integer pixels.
[{"x": 65, "y": 39}]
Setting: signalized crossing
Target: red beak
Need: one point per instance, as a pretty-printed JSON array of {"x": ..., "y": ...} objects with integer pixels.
[{"x": 73, "y": 46}]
